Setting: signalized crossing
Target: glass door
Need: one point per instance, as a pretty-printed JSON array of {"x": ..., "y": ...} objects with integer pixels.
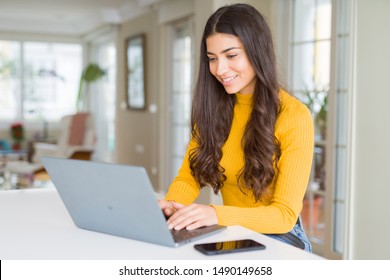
[
  {"x": 320, "y": 76},
  {"x": 309, "y": 81}
]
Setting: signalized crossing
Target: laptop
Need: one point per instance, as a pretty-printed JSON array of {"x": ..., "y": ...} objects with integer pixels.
[{"x": 116, "y": 199}]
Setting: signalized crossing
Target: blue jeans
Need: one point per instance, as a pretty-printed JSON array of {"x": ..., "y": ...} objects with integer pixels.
[{"x": 296, "y": 237}]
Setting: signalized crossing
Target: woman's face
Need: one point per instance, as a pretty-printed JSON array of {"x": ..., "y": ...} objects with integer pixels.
[{"x": 229, "y": 63}]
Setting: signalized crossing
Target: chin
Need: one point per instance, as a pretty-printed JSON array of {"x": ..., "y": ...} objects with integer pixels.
[{"x": 231, "y": 90}]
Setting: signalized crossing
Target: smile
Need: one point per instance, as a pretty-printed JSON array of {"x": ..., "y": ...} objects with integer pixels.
[{"x": 226, "y": 80}]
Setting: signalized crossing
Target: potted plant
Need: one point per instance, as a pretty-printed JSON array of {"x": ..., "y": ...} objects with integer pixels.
[
  {"x": 317, "y": 102},
  {"x": 17, "y": 135},
  {"x": 91, "y": 73}
]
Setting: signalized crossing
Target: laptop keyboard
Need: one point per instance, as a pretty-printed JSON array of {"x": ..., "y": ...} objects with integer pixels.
[{"x": 183, "y": 234}]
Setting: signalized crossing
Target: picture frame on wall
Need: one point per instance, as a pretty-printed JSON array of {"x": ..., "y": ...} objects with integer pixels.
[{"x": 135, "y": 72}]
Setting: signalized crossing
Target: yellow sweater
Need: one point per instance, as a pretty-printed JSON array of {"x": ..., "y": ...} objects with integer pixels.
[{"x": 277, "y": 212}]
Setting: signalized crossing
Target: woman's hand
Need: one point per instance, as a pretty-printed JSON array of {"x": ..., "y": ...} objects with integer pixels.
[
  {"x": 167, "y": 207},
  {"x": 191, "y": 217}
]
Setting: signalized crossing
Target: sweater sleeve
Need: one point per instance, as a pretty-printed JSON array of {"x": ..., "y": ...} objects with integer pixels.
[
  {"x": 295, "y": 132},
  {"x": 184, "y": 189}
]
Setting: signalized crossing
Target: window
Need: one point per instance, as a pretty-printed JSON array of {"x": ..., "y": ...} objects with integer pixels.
[
  {"x": 310, "y": 76},
  {"x": 38, "y": 80},
  {"x": 10, "y": 61},
  {"x": 319, "y": 76},
  {"x": 182, "y": 78},
  {"x": 102, "y": 101}
]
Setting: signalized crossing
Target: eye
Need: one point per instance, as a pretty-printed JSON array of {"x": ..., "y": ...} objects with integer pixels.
[
  {"x": 231, "y": 55},
  {"x": 210, "y": 59}
]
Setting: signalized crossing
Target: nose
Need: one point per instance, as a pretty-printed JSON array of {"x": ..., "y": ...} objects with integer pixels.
[{"x": 222, "y": 67}]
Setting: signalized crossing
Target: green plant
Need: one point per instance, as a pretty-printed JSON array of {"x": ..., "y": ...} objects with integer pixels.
[
  {"x": 91, "y": 73},
  {"x": 317, "y": 101}
]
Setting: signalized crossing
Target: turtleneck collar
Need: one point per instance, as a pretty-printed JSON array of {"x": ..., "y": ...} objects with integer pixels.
[{"x": 244, "y": 99}]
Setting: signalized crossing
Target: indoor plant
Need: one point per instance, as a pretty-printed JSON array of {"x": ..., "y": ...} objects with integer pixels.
[
  {"x": 91, "y": 73},
  {"x": 317, "y": 102},
  {"x": 17, "y": 135}
]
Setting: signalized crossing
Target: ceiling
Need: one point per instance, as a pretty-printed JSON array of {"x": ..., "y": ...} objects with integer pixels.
[{"x": 67, "y": 17}]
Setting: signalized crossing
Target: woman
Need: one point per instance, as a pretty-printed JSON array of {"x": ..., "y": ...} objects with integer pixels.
[{"x": 250, "y": 140}]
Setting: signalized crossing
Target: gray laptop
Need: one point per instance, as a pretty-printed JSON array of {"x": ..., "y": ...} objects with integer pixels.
[{"x": 115, "y": 199}]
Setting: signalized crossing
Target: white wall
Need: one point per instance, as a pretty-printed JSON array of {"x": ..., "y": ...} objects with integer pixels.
[{"x": 371, "y": 188}]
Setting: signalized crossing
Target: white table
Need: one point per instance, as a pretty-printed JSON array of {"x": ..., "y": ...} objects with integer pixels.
[{"x": 34, "y": 224}]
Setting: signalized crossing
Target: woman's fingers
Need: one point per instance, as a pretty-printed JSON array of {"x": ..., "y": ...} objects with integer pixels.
[
  {"x": 167, "y": 207},
  {"x": 192, "y": 217},
  {"x": 182, "y": 218}
]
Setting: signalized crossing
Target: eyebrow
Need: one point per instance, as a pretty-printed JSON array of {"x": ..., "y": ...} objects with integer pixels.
[{"x": 226, "y": 50}]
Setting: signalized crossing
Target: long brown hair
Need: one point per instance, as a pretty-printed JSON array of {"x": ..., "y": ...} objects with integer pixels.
[{"x": 212, "y": 107}]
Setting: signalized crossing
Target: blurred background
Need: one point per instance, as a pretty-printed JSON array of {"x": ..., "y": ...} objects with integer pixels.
[{"x": 121, "y": 73}]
